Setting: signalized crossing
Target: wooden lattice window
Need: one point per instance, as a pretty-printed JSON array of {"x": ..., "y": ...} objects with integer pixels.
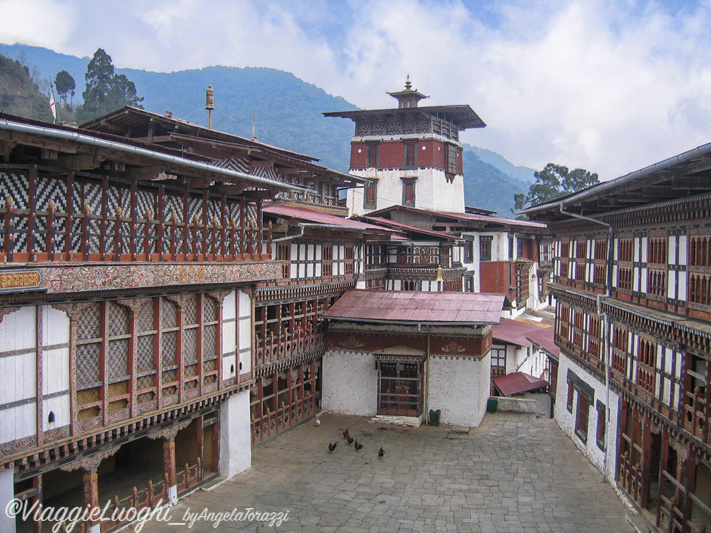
[
  {"x": 581, "y": 419},
  {"x": 327, "y": 260},
  {"x": 625, "y": 247},
  {"x": 601, "y": 246},
  {"x": 646, "y": 357},
  {"x": 485, "y": 247},
  {"x": 657, "y": 251},
  {"x": 581, "y": 249},
  {"x": 349, "y": 253},
  {"x": 372, "y": 153},
  {"x": 410, "y": 155},
  {"x": 700, "y": 250},
  {"x": 370, "y": 195},
  {"x": 408, "y": 191},
  {"x": 624, "y": 279}
]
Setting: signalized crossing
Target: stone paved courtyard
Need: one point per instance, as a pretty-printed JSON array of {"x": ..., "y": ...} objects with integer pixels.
[{"x": 515, "y": 473}]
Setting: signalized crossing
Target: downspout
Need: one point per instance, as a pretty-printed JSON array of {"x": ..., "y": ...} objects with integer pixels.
[
  {"x": 427, "y": 379},
  {"x": 606, "y": 327}
]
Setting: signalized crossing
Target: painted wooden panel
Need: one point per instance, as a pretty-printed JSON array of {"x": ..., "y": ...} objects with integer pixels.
[
  {"x": 18, "y": 330},
  {"x": 18, "y": 422},
  {"x": 62, "y": 414},
  {"x": 245, "y": 305},
  {"x": 56, "y": 370},
  {"x": 229, "y": 366},
  {"x": 20, "y": 377},
  {"x": 229, "y": 306},
  {"x": 229, "y": 336},
  {"x": 55, "y": 326},
  {"x": 245, "y": 333}
]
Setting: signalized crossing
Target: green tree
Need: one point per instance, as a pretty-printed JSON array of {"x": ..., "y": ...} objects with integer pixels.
[
  {"x": 65, "y": 84},
  {"x": 124, "y": 91},
  {"x": 554, "y": 181},
  {"x": 105, "y": 90}
]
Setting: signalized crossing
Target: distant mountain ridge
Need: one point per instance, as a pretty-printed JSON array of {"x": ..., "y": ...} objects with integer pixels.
[{"x": 283, "y": 110}]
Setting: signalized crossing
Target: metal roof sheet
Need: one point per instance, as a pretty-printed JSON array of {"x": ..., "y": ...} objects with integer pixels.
[
  {"x": 544, "y": 337},
  {"x": 515, "y": 332},
  {"x": 318, "y": 217},
  {"x": 518, "y": 382},
  {"x": 418, "y": 307}
]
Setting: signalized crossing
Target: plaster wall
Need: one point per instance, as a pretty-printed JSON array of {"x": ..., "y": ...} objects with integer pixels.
[
  {"x": 235, "y": 435},
  {"x": 350, "y": 383},
  {"x": 459, "y": 388},
  {"x": 566, "y": 419},
  {"x": 432, "y": 190},
  {"x": 7, "y": 493}
]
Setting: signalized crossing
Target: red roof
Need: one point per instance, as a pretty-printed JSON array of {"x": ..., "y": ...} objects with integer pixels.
[
  {"x": 406, "y": 227},
  {"x": 515, "y": 332},
  {"x": 318, "y": 217},
  {"x": 461, "y": 216},
  {"x": 543, "y": 337},
  {"x": 518, "y": 382},
  {"x": 418, "y": 307}
]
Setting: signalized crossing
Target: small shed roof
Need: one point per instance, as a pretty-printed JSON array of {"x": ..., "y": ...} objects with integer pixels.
[
  {"x": 518, "y": 382},
  {"x": 418, "y": 307}
]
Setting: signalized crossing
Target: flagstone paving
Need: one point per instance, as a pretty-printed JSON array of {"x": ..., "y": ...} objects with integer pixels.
[{"x": 515, "y": 473}]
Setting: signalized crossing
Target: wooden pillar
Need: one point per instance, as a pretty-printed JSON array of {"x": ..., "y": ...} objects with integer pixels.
[
  {"x": 91, "y": 498},
  {"x": 169, "y": 468},
  {"x": 90, "y": 465}
]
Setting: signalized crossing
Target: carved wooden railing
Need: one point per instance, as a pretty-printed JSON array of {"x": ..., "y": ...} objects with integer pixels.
[
  {"x": 77, "y": 219},
  {"x": 285, "y": 416},
  {"x": 276, "y": 347}
]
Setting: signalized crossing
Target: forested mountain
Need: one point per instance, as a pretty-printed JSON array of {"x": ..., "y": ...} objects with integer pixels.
[
  {"x": 285, "y": 111},
  {"x": 19, "y": 93}
]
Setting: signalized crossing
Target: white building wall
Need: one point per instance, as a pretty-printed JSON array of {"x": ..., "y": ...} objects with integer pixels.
[
  {"x": 235, "y": 435},
  {"x": 432, "y": 190},
  {"x": 459, "y": 388},
  {"x": 350, "y": 383},
  {"x": 7, "y": 494},
  {"x": 566, "y": 419}
]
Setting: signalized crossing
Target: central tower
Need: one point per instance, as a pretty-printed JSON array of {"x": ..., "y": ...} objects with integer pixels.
[{"x": 412, "y": 154}]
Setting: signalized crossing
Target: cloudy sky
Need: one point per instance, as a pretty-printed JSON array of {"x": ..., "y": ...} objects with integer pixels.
[{"x": 610, "y": 86}]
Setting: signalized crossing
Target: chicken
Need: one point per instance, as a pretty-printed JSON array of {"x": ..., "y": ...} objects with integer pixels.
[
  {"x": 349, "y": 439},
  {"x": 381, "y": 452},
  {"x": 332, "y": 446},
  {"x": 346, "y": 434},
  {"x": 358, "y": 446}
]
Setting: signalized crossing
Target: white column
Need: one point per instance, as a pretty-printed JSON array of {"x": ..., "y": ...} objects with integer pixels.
[
  {"x": 235, "y": 435},
  {"x": 7, "y": 493}
]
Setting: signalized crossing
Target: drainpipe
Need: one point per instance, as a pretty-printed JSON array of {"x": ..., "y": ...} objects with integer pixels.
[
  {"x": 605, "y": 325},
  {"x": 427, "y": 379}
]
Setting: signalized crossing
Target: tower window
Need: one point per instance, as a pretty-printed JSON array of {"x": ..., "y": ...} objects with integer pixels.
[
  {"x": 408, "y": 191},
  {"x": 370, "y": 195},
  {"x": 451, "y": 158},
  {"x": 410, "y": 155},
  {"x": 372, "y": 155}
]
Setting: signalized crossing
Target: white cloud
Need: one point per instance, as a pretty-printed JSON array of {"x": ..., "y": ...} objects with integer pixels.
[{"x": 606, "y": 85}]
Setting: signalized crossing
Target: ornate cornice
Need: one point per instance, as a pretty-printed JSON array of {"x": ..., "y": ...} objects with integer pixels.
[
  {"x": 169, "y": 432},
  {"x": 83, "y": 277},
  {"x": 90, "y": 462}
]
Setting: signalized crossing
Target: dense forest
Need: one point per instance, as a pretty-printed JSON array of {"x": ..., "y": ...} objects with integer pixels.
[{"x": 284, "y": 110}]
